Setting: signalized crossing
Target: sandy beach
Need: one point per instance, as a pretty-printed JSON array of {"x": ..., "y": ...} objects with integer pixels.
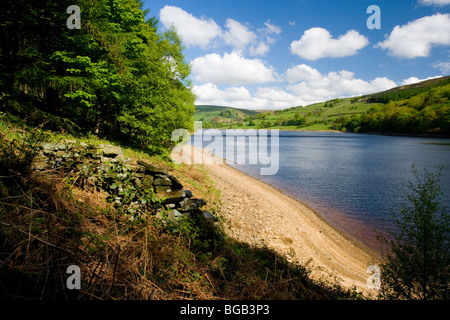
[{"x": 257, "y": 213}]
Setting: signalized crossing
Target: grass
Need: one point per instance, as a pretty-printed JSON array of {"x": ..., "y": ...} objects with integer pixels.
[
  {"x": 47, "y": 224},
  {"x": 320, "y": 115},
  {"x": 207, "y": 112}
]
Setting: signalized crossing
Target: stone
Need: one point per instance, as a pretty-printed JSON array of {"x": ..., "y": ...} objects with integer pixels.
[
  {"x": 61, "y": 146},
  {"x": 175, "y": 182},
  {"x": 167, "y": 195},
  {"x": 140, "y": 169},
  {"x": 147, "y": 181},
  {"x": 191, "y": 204},
  {"x": 131, "y": 167},
  {"x": 104, "y": 167},
  {"x": 178, "y": 214},
  {"x": 49, "y": 147},
  {"x": 137, "y": 182},
  {"x": 63, "y": 154},
  {"x": 138, "y": 175},
  {"x": 162, "y": 182},
  {"x": 40, "y": 158},
  {"x": 39, "y": 165},
  {"x": 175, "y": 215},
  {"x": 150, "y": 168},
  {"x": 209, "y": 216},
  {"x": 111, "y": 151},
  {"x": 168, "y": 189}
]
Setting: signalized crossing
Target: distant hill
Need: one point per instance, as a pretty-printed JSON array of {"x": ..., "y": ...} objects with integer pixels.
[
  {"x": 419, "y": 85},
  {"x": 220, "y": 115},
  {"x": 419, "y": 108}
]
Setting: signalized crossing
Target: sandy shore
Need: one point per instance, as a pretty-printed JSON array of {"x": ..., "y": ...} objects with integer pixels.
[{"x": 259, "y": 214}]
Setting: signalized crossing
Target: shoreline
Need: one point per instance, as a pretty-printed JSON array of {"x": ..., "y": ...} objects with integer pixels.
[
  {"x": 389, "y": 134},
  {"x": 259, "y": 214}
]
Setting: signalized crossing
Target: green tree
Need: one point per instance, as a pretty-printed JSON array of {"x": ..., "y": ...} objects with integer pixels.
[
  {"x": 418, "y": 266},
  {"x": 116, "y": 76}
]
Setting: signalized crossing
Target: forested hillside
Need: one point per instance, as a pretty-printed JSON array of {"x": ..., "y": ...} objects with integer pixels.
[
  {"x": 411, "y": 110},
  {"x": 421, "y": 108},
  {"x": 117, "y": 76}
]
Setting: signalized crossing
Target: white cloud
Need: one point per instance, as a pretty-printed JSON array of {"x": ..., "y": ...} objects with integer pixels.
[
  {"x": 443, "y": 66},
  {"x": 259, "y": 49},
  {"x": 203, "y": 32},
  {"x": 238, "y": 35},
  {"x": 412, "y": 80},
  {"x": 258, "y": 42},
  {"x": 239, "y": 97},
  {"x": 271, "y": 28},
  {"x": 210, "y": 94},
  {"x": 317, "y": 43},
  {"x": 418, "y": 37},
  {"x": 435, "y": 2},
  {"x": 311, "y": 86},
  {"x": 232, "y": 68},
  {"x": 194, "y": 31},
  {"x": 302, "y": 72},
  {"x": 306, "y": 86}
]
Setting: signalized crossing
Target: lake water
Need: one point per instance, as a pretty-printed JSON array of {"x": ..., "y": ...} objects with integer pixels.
[{"x": 353, "y": 181}]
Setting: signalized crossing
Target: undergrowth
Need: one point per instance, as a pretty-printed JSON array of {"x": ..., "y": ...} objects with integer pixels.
[{"x": 48, "y": 224}]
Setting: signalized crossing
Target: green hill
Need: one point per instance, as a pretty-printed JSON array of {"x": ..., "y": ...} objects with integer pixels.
[
  {"x": 420, "y": 108},
  {"x": 221, "y": 116}
]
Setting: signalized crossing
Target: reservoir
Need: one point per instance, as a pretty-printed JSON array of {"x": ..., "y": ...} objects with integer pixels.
[{"x": 355, "y": 182}]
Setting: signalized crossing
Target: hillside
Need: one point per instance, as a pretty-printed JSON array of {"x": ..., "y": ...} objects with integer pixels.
[
  {"x": 86, "y": 182},
  {"x": 421, "y": 108},
  {"x": 218, "y": 115},
  {"x": 86, "y": 202}
]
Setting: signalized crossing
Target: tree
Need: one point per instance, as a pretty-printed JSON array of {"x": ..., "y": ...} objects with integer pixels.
[
  {"x": 116, "y": 76},
  {"x": 418, "y": 266}
]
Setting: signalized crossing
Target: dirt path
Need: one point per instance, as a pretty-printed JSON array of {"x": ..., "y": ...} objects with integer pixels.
[{"x": 259, "y": 214}]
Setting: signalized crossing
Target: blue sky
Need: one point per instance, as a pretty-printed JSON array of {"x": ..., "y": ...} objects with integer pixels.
[{"x": 275, "y": 54}]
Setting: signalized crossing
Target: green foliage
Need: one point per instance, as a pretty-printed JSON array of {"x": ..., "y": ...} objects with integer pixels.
[
  {"x": 135, "y": 199},
  {"x": 425, "y": 110},
  {"x": 18, "y": 148},
  {"x": 418, "y": 267},
  {"x": 117, "y": 76},
  {"x": 407, "y": 92}
]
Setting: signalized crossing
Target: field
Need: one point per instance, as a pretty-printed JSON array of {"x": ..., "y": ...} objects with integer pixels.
[
  {"x": 420, "y": 108},
  {"x": 319, "y": 116}
]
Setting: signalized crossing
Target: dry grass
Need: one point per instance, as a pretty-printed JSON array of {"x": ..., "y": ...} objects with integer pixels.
[
  {"x": 44, "y": 233},
  {"x": 47, "y": 224}
]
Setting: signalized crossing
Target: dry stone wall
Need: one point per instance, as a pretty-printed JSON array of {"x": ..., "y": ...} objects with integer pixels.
[{"x": 130, "y": 185}]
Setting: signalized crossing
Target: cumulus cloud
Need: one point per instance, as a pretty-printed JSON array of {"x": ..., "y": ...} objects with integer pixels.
[
  {"x": 258, "y": 42},
  {"x": 203, "y": 32},
  {"x": 306, "y": 85},
  {"x": 259, "y": 49},
  {"x": 232, "y": 68},
  {"x": 412, "y": 80},
  {"x": 270, "y": 28},
  {"x": 238, "y": 35},
  {"x": 209, "y": 93},
  {"x": 311, "y": 86},
  {"x": 435, "y": 2},
  {"x": 239, "y": 97},
  {"x": 416, "y": 38},
  {"x": 194, "y": 31},
  {"x": 317, "y": 43},
  {"x": 443, "y": 66}
]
